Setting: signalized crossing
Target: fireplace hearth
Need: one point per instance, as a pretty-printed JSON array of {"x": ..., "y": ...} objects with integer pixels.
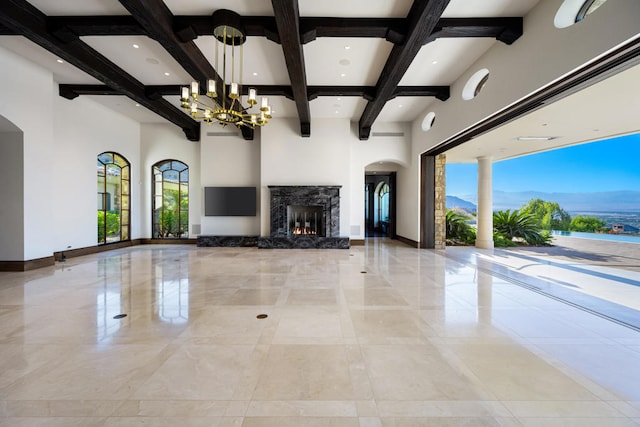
[{"x": 304, "y": 217}]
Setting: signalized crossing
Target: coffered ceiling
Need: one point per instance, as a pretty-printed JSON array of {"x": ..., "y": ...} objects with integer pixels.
[{"x": 364, "y": 60}]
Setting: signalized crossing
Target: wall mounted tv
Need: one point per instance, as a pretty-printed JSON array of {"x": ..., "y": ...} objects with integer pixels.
[{"x": 230, "y": 201}]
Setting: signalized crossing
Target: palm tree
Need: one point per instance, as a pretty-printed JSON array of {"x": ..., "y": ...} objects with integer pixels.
[{"x": 517, "y": 225}]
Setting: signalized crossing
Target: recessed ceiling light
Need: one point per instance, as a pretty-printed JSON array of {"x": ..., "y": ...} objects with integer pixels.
[
  {"x": 339, "y": 99},
  {"x": 536, "y": 138},
  {"x": 347, "y": 47},
  {"x": 59, "y": 61},
  {"x": 135, "y": 46},
  {"x": 336, "y": 111},
  {"x": 434, "y": 62},
  {"x": 255, "y": 74},
  {"x": 400, "y": 106},
  {"x": 137, "y": 105},
  {"x": 167, "y": 74},
  {"x": 342, "y": 75}
]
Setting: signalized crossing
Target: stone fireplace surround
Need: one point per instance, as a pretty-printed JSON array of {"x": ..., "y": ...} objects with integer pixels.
[{"x": 325, "y": 196}]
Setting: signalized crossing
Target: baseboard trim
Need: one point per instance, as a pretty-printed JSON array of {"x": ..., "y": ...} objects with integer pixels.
[
  {"x": 168, "y": 241},
  {"x": 31, "y": 264},
  {"x": 357, "y": 242},
  {"x": 409, "y": 242}
]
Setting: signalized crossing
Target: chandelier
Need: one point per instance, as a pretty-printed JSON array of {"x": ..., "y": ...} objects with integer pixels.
[{"x": 226, "y": 108}]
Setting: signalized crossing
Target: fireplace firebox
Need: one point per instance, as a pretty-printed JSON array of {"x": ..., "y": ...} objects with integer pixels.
[{"x": 305, "y": 220}]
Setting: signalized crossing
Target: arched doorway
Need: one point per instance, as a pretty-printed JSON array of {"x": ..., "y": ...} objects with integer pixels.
[{"x": 380, "y": 205}]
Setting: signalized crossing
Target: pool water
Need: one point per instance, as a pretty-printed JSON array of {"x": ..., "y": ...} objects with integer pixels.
[{"x": 598, "y": 236}]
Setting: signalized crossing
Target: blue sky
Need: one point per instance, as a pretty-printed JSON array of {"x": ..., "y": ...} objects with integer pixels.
[{"x": 608, "y": 165}]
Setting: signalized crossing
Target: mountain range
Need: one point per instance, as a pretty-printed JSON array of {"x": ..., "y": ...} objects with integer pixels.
[{"x": 610, "y": 201}]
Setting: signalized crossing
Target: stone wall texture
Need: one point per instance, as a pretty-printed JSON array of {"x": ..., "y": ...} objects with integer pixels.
[{"x": 440, "y": 205}]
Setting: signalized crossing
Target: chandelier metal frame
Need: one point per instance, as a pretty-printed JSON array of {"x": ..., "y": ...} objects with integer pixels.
[{"x": 226, "y": 109}]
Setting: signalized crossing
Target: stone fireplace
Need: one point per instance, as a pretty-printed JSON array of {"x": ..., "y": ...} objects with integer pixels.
[{"x": 304, "y": 217}]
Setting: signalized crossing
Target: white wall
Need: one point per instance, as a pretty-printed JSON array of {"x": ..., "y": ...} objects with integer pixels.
[
  {"x": 229, "y": 161},
  {"x": 62, "y": 139},
  {"x": 83, "y": 129},
  {"x": 12, "y": 196},
  {"x": 26, "y": 101},
  {"x": 163, "y": 142}
]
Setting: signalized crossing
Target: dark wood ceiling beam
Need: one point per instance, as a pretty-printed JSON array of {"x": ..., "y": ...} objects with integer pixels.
[
  {"x": 287, "y": 18},
  {"x": 28, "y": 21},
  {"x": 423, "y": 18},
  {"x": 188, "y": 27},
  {"x": 440, "y": 92},
  {"x": 506, "y": 30},
  {"x": 71, "y": 91},
  {"x": 191, "y": 27}
]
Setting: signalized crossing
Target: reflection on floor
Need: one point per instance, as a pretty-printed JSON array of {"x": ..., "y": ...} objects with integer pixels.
[{"x": 379, "y": 335}]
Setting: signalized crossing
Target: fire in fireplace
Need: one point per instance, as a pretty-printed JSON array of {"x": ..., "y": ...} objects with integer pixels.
[{"x": 305, "y": 220}]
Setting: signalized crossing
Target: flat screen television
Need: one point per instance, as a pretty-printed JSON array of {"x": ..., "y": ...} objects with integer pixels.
[{"x": 230, "y": 201}]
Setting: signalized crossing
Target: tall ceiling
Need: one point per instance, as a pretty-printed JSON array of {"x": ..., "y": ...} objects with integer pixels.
[{"x": 361, "y": 60}]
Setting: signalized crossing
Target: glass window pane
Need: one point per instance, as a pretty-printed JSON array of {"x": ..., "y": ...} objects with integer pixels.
[
  {"x": 125, "y": 202},
  {"x": 184, "y": 175},
  {"x": 171, "y": 175},
  {"x": 105, "y": 158},
  {"x": 125, "y": 233},
  {"x": 125, "y": 188},
  {"x": 119, "y": 160},
  {"x": 164, "y": 166},
  {"x": 179, "y": 166},
  {"x": 125, "y": 172}
]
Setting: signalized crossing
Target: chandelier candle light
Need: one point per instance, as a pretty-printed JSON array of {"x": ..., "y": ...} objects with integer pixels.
[{"x": 227, "y": 108}]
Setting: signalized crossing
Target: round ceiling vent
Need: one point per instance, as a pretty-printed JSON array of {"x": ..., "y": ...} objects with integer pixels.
[
  {"x": 572, "y": 11},
  {"x": 428, "y": 120},
  {"x": 475, "y": 84}
]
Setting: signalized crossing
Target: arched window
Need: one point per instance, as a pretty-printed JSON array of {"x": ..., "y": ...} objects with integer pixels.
[
  {"x": 114, "y": 189},
  {"x": 382, "y": 193},
  {"x": 170, "y": 200}
]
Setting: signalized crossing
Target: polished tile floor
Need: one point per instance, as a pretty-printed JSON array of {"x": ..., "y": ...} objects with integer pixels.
[{"x": 378, "y": 335}]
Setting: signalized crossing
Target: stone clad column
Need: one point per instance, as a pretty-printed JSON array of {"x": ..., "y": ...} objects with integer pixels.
[
  {"x": 440, "y": 203},
  {"x": 484, "y": 237}
]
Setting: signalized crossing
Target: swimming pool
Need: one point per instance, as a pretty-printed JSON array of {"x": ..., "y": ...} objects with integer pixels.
[{"x": 598, "y": 236}]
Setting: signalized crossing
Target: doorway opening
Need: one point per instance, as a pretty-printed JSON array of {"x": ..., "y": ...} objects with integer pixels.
[{"x": 380, "y": 204}]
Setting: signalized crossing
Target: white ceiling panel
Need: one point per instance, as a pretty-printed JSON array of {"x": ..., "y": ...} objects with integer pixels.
[
  {"x": 264, "y": 62},
  {"x": 79, "y": 8},
  {"x": 356, "y": 8},
  {"x": 127, "y": 107},
  {"x": 207, "y": 7},
  {"x": 148, "y": 63},
  {"x": 452, "y": 57},
  {"x": 282, "y": 107},
  {"x": 62, "y": 73},
  {"x": 342, "y": 107},
  {"x": 345, "y": 61},
  {"x": 488, "y": 8},
  {"x": 404, "y": 108}
]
